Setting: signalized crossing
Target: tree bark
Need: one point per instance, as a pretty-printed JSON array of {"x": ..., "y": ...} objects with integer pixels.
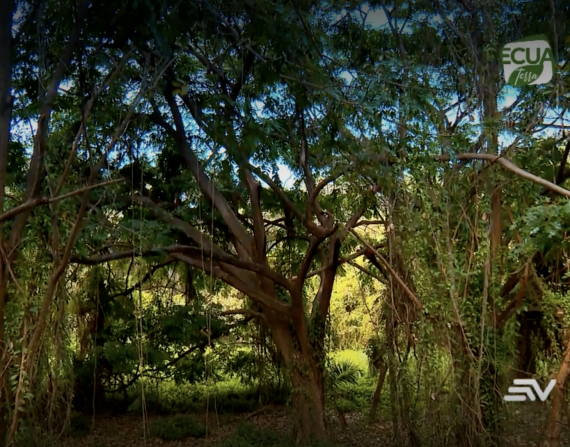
[
  {"x": 377, "y": 393},
  {"x": 307, "y": 378},
  {"x": 6, "y": 11},
  {"x": 308, "y": 398}
]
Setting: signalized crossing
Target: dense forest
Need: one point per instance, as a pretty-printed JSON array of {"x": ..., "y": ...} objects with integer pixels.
[{"x": 240, "y": 223}]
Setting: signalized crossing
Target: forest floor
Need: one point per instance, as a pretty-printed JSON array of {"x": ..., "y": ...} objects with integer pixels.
[
  {"x": 127, "y": 431},
  {"x": 527, "y": 429}
]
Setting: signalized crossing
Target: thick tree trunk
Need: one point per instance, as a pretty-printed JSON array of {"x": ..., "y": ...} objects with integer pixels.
[
  {"x": 307, "y": 379},
  {"x": 308, "y": 398}
]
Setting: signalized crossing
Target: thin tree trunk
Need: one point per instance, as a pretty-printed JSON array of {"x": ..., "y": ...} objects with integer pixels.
[
  {"x": 6, "y": 11},
  {"x": 558, "y": 398},
  {"x": 377, "y": 393}
]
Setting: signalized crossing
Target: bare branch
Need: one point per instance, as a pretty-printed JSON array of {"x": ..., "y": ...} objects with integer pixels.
[
  {"x": 307, "y": 260},
  {"x": 217, "y": 254},
  {"x": 45, "y": 200},
  {"x": 309, "y": 179},
  {"x": 368, "y": 272},
  {"x": 145, "y": 278},
  {"x": 341, "y": 261},
  {"x": 258, "y": 225},
  {"x": 394, "y": 274},
  {"x": 369, "y": 222},
  {"x": 331, "y": 178},
  {"x": 206, "y": 186},
  {"x": 510, "y": 167}
]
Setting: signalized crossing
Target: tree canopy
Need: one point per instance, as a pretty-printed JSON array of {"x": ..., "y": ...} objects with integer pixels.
[{"x": 177, "y": 175}]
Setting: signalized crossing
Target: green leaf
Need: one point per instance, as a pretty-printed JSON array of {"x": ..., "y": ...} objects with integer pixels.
[{"x": 525, "y": 75}]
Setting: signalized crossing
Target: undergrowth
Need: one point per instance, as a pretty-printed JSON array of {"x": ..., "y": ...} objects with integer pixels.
[
  {"x": 248, "y": 435},
  {"x": 177, "y": 427},
  {"x": 231, "y": 395}
]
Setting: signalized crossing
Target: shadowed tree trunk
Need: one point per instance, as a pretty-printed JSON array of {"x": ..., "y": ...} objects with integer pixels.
[
  {"x": 6, "y": 11},
  {"x": 526, "y": 363},
  {"x": 377, "y": 392},
  {"x": 558, "y": 398}
]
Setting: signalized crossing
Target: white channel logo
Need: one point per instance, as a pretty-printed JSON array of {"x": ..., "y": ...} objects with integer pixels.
[{"x": 520, "y": 393}]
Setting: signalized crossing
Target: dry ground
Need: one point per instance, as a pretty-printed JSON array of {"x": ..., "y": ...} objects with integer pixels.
[
  {"x": 127, "y": 431},
  {"x": 526, "y": 430}
]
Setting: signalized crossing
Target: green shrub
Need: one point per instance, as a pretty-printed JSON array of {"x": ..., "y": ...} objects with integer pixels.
[
  {"x": 343, "y": 372},
  {"x": 347, "y": 405},
  {"x": 235, "y": 403},
  {"x": 29, "y": 437},
  {"x": 247, "y": 435},
  {"x": 177, "y": 427},
  {"x": 80, "y": 425}
]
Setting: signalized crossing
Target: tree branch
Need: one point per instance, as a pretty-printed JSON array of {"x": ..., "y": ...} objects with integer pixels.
[
  {"x": 331, "y": 178},
  {"x": 512, "y": 168},
  {"x": 309, "y": 180},
  {"x": 46, "y": 200},
  {"x": 368, "y": 272},
  {"x": 560, "y": 176},
  {"x": 249, "y": 312},
  {"x": 217, "y": 254},
  {"x": 394, "y": 274},
  {"x": 233, "y": 281},
  {"x": 306, "y": 264},
  {"x": 341, "y": 261},
  {"x": 314, "y": 229},
  {"x": 33, "y": 180},
  {"x": 206, "y": 186},
  {"x": 145, "y": 278}
]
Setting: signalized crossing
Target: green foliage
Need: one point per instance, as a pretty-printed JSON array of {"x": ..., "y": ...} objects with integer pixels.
[
  {"x": 228, "y": 395},
  {"x": 29, "y": 437},
  {"x": 177, "y": 427},
  {"x": 278, "y": 79},
  {"x": 343, "y": 373},
  {"x": 348, "y": 387}
]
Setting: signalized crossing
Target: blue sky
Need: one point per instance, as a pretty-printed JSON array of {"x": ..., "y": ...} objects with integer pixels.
[{"x": 376, "y": 19}]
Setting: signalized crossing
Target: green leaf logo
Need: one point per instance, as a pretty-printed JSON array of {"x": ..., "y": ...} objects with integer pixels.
[
  {"x": 528, "y": 61},
  {"x": 525, "y": 75}
]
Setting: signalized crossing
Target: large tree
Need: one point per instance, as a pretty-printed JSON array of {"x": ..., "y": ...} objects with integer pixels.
[
  {"x": 250, "y": 88},
  {"x": 201, "y": 107}
]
